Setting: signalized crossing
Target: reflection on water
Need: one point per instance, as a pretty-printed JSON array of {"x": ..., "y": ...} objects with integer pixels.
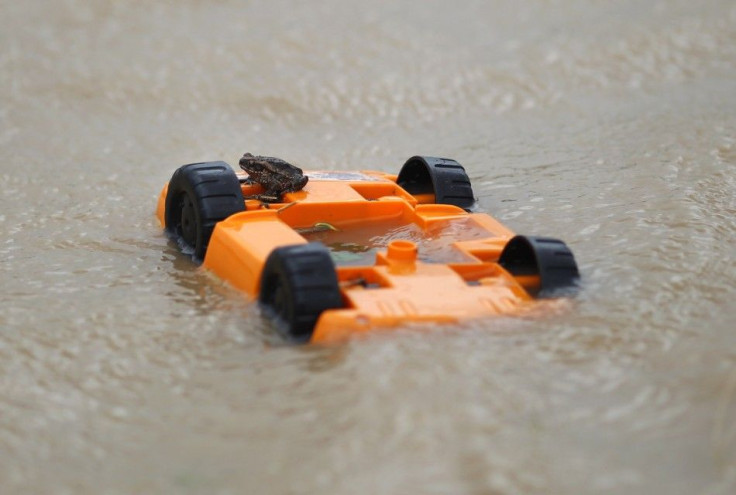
[{"x": 125, "y": 368}]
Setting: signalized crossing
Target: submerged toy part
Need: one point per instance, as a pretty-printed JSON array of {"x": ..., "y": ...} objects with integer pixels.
[{"x": 358, "y": 244}]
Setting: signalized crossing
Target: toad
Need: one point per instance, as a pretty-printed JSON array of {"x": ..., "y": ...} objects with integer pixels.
[{"x": 274, "y": 174}]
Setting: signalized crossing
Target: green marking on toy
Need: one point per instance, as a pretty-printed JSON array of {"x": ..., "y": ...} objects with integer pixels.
[{"x": 318, "y": 227}]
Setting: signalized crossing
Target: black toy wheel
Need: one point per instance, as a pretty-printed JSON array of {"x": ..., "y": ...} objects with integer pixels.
[
  {"x": 444, "y": 178},
  {"x": 199, "y": 196},
  {"x": 299, "y": 283},
  {"x": 550, "y": 259}
]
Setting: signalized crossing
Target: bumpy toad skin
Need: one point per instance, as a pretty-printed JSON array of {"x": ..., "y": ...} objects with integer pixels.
[{"x": 274, "y": 174}]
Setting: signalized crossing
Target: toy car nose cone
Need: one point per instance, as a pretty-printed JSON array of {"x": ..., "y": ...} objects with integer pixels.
[{"x": 402, "y": 251}]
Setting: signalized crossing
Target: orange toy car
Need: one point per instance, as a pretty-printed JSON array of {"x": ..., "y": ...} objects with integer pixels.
[{"x": 354, "y": 251}]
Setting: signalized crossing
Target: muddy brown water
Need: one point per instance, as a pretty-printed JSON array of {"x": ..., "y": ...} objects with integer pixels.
[{"x": 611, "y": 125}]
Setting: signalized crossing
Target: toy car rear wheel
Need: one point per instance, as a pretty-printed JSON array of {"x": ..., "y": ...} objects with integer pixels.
[
  {"x": 299, "y": 283},
  {"x": 444, "y": 178},
  {"x": 549, "y": 259},
  {"x": 200, "y": 195}
]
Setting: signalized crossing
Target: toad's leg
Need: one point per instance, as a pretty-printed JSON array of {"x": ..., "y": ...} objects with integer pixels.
[{"x": 270, "y": 195}]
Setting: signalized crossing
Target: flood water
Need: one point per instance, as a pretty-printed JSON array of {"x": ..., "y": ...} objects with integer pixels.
[{"x": 611, "y": 125}]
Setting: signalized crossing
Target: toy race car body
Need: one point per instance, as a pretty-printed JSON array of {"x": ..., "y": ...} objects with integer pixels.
[{"x": 355, "y": 251}]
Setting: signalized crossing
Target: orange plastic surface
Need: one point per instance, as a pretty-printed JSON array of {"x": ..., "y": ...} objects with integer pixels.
[{"x": 401, "y": 283}]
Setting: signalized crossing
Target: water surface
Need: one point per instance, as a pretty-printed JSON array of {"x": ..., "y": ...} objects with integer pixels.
[{"x": 611, "y": 125}]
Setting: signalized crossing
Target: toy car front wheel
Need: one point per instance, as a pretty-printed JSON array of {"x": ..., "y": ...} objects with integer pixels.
[
  {"x": 299, "y": 283},
  {"x": 548, "y": 259},
  {"x": 444, "y": 178},
  {"x": 200, "y": 195}
]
